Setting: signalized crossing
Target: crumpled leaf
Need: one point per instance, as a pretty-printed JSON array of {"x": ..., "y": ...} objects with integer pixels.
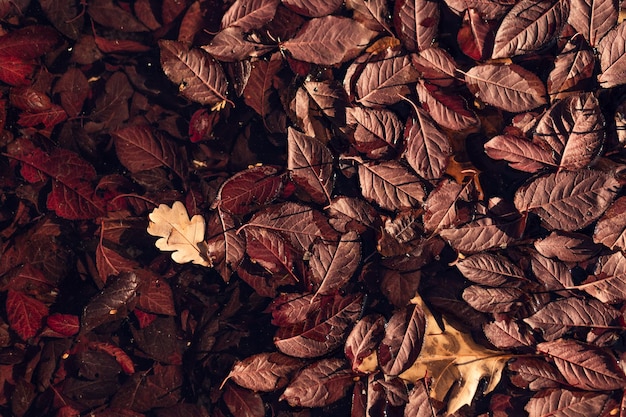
[
  {"x": 453, "y": 361},
  {"x": 179, "y": 233}
]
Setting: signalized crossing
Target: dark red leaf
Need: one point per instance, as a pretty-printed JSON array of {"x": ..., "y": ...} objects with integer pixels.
[
  {"x": 289, "y": 309},
  {"x": 121, "y": 357},
  {"x": 402, "y": 343},
  {"x": 377, "y": 132},
  {"x": 520, "y": 153},
  {"x": 155, "y": 294},
  {"x": 608, "y": 283},
  {"x": 475, "y": 36},
  {"x": 372, "y": 13},
  {"x": 73, "y": 88},
  {"x": 611, "y": 228},
  {"x": 111, "y": 15},
  {"x": 567, "y": 247},
  {"x": 25, "y": 314},
  {"x": 248, "y": 190},
  {"x": 29, "y": 99},
  {"x": 115, "y": 301},
  {"x": 28, "y": 43},
  {"x": 343, "y": 40},
  {"x": 15, "y": 72},
  {"x": 480, "y": 235},
  {"x": 233, "y": 44},
  {"x": 444, "y": 206},
  {"x": 243, "y": 402},
  {"x": 249, "y": 15},
  {"x": 491, "y": 269},
  {"x": 271, "y": 251},
  {"x": 225, "y": 246},
  {"x": 534, "y": 374},
  {"x": 65, "y": 16},
  {"x": 448, "y": 110},
  {"x": 363, "y": 341},
  {"x": 48, "y": 118},
  {"x": 332, "y": 265},
  {"x": 65, "y": 324},
  {"x": 264, "y": 372},
  {"x": 351, "y": 214},
  {"x": 311, "y": 165},
  {"x": 319, "y": 384}
]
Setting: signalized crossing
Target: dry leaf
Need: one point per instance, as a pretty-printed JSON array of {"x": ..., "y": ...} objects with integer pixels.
[
  {"x": 179, "y": 234},
  {"x": 450, "y": 358}
]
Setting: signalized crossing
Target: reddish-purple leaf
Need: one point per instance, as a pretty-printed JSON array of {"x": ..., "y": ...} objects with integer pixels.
[
  {"x": 420, "y": 404},
  {"x": 561, "y": 402},
  {"x": 48, "y": 118},
  {"x": 448, "y": 110},
  {"x": 72, "y": 197},
  {"x": 402, "y": 343},
  {"x": 611, "y": 228},
  {"x": 258, "y": 92},
  {"x": 508, "y": 87},
  {"x": 574, "y": 129},
  {"x": 29, "y": 99},
  {"x": 243, "y": 402},
  {"x": 28, "y": 42},
  {"x": 489, "y": 10},
  {"x": 385, "y": 81},
  {"x": 66, "y": 324},
  {"x": 15, "y": 72},
  {"x": 377, "y": 132},
  {"x": 233, "y": 44},
  {"x": 266, "y": 372},
  {"x": 323, "y": 331},
  {"x": 475, "y": 36},
  {"x": 612, "y": 49},
  {"x": 529, "y": 25},
  {"x": 585, "y": 366},
  {"x": 199, "y": 77},
  {"x": 73, "y": 88},
  {"x": 568, "y": 200},
  {"x": 300, "y": 224},
  {"x": 520, "y": 153},
  {"x": 332, "y": 266},
  {"x": 446, "y": 206},
  {"x": 436, "y": 66},
  {"x": 491, "y": 269},
  {"x": 573, "y": 69},
  {"x": 25, "y": 314},
  {"x": 567, "y": 247},
  {"x": 507, "y": 334},
  {"x": 534, "y": 374},
  {"x": 556, "y": 318},
  {"x": 593, "y": 18},
  {"x": 609, "y": 283},
  {"x": 313, "y": 8},
  {"x": 155, "y": 294},
  {"x": 416, "y": 23},
  {"x": 553, "y": 274},
  {"x": 248, "y": 190},
  {"x": 111, "y": 15},
  {"x": 319, "y": 384},
  {"x": 140, "y": 148},
  {"x": 480, "y": 235},
  {"x": 271, "y": 251},
  {"x": 350, "y": 213},
  {"x": 250, "y": 14},
  {"x": 65, "y": 16},
  {"x": 225, "y": 246},
  {"x": 114, "y": 302},
  {"x": 311, "y": 165},
  {"x": 390, "y": 185},
  {"x": 363, "y": 341},
  {"x": 493, "y": 300},
  {"x": 292, "y": 308},
  {"x": 371, "y": 13},
  {"x": 343, "y": 39}
]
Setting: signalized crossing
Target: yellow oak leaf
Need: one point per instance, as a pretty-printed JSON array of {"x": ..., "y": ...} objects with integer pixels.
[
  {"x": 451, "y": 360},
  {"x": 179, "y": 233}
]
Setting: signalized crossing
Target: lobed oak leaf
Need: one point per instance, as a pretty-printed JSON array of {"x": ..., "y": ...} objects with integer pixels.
[{"x": 179, "y": 233}]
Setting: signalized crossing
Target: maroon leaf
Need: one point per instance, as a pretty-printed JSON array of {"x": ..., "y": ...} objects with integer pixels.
[
  {"x": 271, "y": 251},
  {"x": 115, "y": 301},
  {"x": 475, "y": 36},
  {"x": 247, "y": 190},
  {"x": 243, "y": 402},
  {"x": 554, "y": 275},
  {"x": 585, "y": 366},
  {"x": 416, "y": 23},
  {"x": 574, "y": 129},
  {"x": 233, "y": 44},
  {"x": 567, "y": 403},
  {"x": 534, "y": 374},
  {"x": 289, "y": 309},
  {"x": 610, "y": 276},
  {"x": 371, "y": 13},
  {"x": 444, "y": 206},
  {"x": 491, "y": 269},
  {"x": 343, "y": 40},
  {"x": 611, "y": 228},
  {"x": 363, "y": 341},
  {"x": 258, "y": 92},
  {"x": 155, "y": 294},
  {"x": 420, "y": 403},
  {"x": 73, "y": 88},
  {"x": 448, "y": 110},
  {"x": 377, "y": 131},
  {"x": 402, "y": 343},
  {"x": 25, "y": 314},
  {"x": 323, "y": 331},
  {"x": 592, "y": 18},
  {"x": 520, "y": 153},
  {"x": 199, "y": 77},
  {"x": 480, "y": 235},
  {"x": 490, "y": 10},
  {"x": 48, "y": 118},
  {"x": 612, "y": 49},
  {"x": 225, "y": 246},
  {"x": 493, "y": 300},
  {"x": 301, "y": 225},
  {"x": 385, "y": 81},
  {"x": 508, "y": 87},
  {"x": 28, "y": 43},
  {"x": 568, "y": 200},
  {"x": 573, "y": 68},
  {"x": 390, "y": 185},
  {"x": 264, "y": 372},
  {"x": 312, "y": 8},
  {"x": 556, "y": 318},
  {"x": 65, "y": 324},
  {"x": 15, "y": 72},
  {"x": 348, "y": 213},
  {"x": 319, "y": 384},
  {"x": 436, "y": 66},
  {"x": 332, "y": 266},
  {"x": 311, "y": 165},
  {"x": 505, "y": 334},
  {"x": 567, "y": 247},
  {"x": 139, "y": 148},
  {"x": 108, "y": 14},
  {"x": 249, "y": 15},
  {"x": 72, "y": 195},
  {"x": 65, "y": 16},
  {"x": 528, "y": 26}
]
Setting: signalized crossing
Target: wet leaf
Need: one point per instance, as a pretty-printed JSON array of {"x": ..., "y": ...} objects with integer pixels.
[{"x": 112, "y": 303}]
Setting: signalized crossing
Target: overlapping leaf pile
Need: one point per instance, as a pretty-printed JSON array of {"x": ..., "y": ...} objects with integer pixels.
[{"x": 366, "y": 208}]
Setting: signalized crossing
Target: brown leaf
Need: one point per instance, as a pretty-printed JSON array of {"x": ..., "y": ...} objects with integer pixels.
[
  {"x": 115, "y": 301},
  {"x": 612, "y": 49},
  {"x": 566, "y": 402},
  {"x": 611, "y": 228},
  {"x": 403, "y": 339},
  {"x": 266, "y": 372},
  {"x": 362, "y": 342},
  {"x": 332, "y": 266},
  {"x": 311, "y": 165},
  {"x": 416, "y": 23},
  {"x": 390, "y": 185},
  {"x": 593, "y": 18},
  {"x": 573, "y": 69}
]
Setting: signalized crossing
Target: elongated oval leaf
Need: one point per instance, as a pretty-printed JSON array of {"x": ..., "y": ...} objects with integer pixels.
[
  {"x": 377, "y": 132},
  {"x": 385, "y": 81},
  {"x": 612, "y": 49},
  {"x": 436, "y": 66},
  {"x": 520, "y": 153},
  {"x": 25, "y": 314},
  {"x": 343, "y": 39},
  {"x": 249, "y": 14},
  {"x": 611, "y": 228},
  {"x": 608, "y": 284},
  {"x": 333, "y": 265},
  {"x": 593, "y": 18},
  {"x": 363, "y": 340},
  {"x": 480, "y": 235},
  {"x": 390, "y": 185},
  {"x": 573, "y": 67},
  {"x": 529, "y": 25},
  {"x": 311, "y": 165},
  {"x": 199, "y": 77},
  {"x": 248, "y": 190},
  {"x": 563, "y": 402},
  {"x": 568, "y": 200},
  {"x": 319, "y": 384},
  {"x": 490, "y": 269},
  {"x": 416, "y": 22},
  {"x": 508, "y": 87},
  {"x": 401, "y": 345},
  {"x": 493, "y": 300},
  {"x": 265, "y": 372},
  {"x": 427, "y": 147},
  {"x": 112, "y": 303}
]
